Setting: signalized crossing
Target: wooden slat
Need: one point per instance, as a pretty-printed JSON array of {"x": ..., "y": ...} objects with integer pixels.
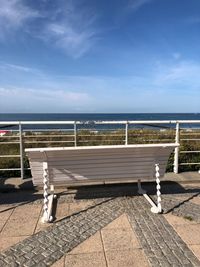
[{"x": 98, "y": 153}]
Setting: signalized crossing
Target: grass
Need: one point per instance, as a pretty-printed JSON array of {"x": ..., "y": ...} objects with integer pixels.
[{"x": 189, "y": 218}]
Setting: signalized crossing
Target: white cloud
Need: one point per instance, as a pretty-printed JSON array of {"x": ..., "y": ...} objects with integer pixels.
[
  {"x": 69, "y": 26},
  {"x": 14, "y": 67},
  {"x": 43, "y": 100},
  {"x": 176, "y": 55},
  {"x": 136, "y": 4},
  {"x": 13, "y": 15},
  {"x": 73, "y": 41},
  {"x": 72, "y": 28},
  {"x": 184, "y": 73}
]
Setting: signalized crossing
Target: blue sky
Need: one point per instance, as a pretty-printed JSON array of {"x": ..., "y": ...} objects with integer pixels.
[{"x": 99, "y": 56}]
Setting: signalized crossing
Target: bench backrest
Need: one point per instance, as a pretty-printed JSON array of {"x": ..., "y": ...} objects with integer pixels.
[{"x": 70, "y": 165}]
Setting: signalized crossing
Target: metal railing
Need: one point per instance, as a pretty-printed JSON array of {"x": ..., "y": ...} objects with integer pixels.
[{"x": 76, "y": 133}]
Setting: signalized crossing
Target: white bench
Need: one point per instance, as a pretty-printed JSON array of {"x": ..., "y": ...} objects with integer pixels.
[{"x": 98, "y": 164}]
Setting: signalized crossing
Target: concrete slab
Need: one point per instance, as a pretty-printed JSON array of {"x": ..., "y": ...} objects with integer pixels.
[
  {"x": 119, "y": 239},
  {"x": 78, "y": 206},
  {"x": 4, "y": 216},
  {"x": 126, "y": 258},
  {"x": 92, "y": 244},
  {"x": 41, "y": 226},
  {"x": 189, "y": 233},
  {"x": 121, "y": 222},
  {"x": 176, "y": 220},
  {"x": 96, "y": 259},
  {"x": 19, "y": 227},
  {"x": 24, "y": 212},
  {"x": 196, "y": 200},
  {"x": 62, "y": 210}
]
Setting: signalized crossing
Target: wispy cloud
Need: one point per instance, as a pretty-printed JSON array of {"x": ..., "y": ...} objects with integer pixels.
[
  {"x": 184, "y": 73},
  {"x": 13, "y": 15},
  {"x": 26, "y": 99},
  {"x": 18, "y": 68},
  {"x": 136, "y": 4},
  {"x": 68, "y": 26},
  {"x": 72, "y": 28}
]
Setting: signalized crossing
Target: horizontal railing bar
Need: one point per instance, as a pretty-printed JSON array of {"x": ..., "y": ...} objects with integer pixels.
[
  {"x": 195, "y": 151},
  {"x": 190, "y": 133},
  {"x": 9, "y": 136},
  {"x": 11, "y": 169},
  {"x": 50, "y": 135},
  {"x": 9, "y": 156},
  {"x": 86, "y": 141},
  {"x": 40, "y": 142},
  {"x": 96, "y": 135},
  {"x": 48, "y": 130},
  {"x": 190, "y": 139},
  {"x": 6, "y": 143},
  {"x": 100, "y": 122},
  {"x": 14, "y": 169},
  {"x": 34, "y": 122},
  {"x": 190, "y": 163}
]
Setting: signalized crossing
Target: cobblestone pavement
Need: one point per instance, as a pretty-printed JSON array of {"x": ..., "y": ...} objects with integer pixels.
[{"x": 161, "y": 244}]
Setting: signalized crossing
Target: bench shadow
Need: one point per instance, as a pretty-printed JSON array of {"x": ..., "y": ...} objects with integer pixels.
[
  {"x": 129, "y": 189},
  {"x": 15, "y": 197}
]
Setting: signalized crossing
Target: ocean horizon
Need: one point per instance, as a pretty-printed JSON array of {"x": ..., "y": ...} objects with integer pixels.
[
  {"x": 89, "y": 118},
  {"x": 97, "y": 116}
]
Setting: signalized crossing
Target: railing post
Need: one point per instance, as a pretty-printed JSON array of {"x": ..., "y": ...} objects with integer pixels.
[
  {"x": 21, "y": 151},
  {"x": 75, "y": 134},
  {"x": 176, "y": 151},
  {"x": 126, "y": 136}
]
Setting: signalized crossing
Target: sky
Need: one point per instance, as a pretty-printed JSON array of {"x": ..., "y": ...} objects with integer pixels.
[{"x": 73, "y": 56}]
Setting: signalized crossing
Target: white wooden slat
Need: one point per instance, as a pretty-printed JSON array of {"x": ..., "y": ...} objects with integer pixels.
[
  {"x": 101, "y": 158},
  {"x": 81, "y": 148},
  {"x": 98, "y": 153}
]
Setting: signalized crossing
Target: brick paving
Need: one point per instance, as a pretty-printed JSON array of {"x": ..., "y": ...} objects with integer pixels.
[
  {"x": 46, "y": 247},
  {"x": 160, "y": 242}
]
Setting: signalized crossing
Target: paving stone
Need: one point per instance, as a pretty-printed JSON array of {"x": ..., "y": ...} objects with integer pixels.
[
  {"x": 96, "y": 259},
  {"x": 191, "y": 235},
  {"x": 4, "y": 215},
  {"x": 19, "y": 227},
  {"x": 92, "y": 244},
  {"x": 120, "y": 239},
  {"x": 126, "y": 258}
]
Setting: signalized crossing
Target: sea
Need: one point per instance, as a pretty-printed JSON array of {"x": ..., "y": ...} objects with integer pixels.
[{"x": 89, "y": 118}]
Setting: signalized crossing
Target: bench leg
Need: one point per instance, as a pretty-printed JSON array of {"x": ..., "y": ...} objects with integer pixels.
[
  {"x": 158, "y": 208},
  {"x": 141, "y": 191},
  {"x": 155, "y": 208},
  {"x": 48, "y": 200}
]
